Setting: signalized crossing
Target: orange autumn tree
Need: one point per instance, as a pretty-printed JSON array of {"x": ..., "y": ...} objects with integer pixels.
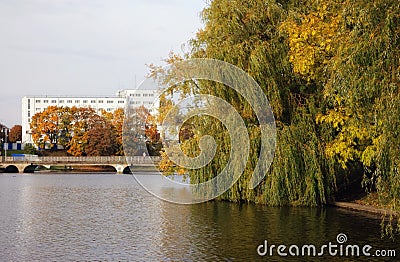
[
  {"x": 101, "y": 140},
  {"x": 50, "y": 127},
  {"x": 116, "y": 119},
  {"x": 83, "y": 120},
  {"x": 15, "y": 134},
  {"x": 77, "y": 128}
]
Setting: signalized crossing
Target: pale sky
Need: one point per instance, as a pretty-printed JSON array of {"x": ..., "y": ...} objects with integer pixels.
[{"x": 85, "y": 47}]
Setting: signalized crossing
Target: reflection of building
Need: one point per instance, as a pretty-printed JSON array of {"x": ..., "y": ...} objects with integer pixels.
[{"x": 35, "y": 104}]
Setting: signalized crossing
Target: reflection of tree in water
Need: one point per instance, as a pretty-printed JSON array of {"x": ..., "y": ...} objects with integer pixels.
[{"x": 223, "y": 231}]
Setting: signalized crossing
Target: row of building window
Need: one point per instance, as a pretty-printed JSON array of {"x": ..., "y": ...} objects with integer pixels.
[
  {"x": 140, "y": 102},
  {"x": 138, "y": 95},
  {"x": 99, "y": 110},
  {"x": 40, "y": 110},
  {"x": 77, "y": 101}
]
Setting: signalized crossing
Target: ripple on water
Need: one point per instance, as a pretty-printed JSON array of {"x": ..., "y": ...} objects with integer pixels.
[{"x": 108, "y": 217}]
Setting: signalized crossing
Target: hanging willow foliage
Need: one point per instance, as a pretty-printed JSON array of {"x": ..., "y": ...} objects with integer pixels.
[
  {"x": 248, "y": 35},
  {"x": 331, "y": 72}
]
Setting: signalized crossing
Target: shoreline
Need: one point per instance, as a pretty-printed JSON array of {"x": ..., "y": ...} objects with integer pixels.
[{"x": 365, "y": 208}]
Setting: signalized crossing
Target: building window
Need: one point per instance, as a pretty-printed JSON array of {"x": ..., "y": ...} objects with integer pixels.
[
  {"x": 45, "y": 101},
  {"x": 109, "y": 109},
  {"x": 53, "y": 101},
  {"x": 29, "y": 113},
  {"x": 61, "y": 101},
  {"x": 121, "y": 101},
  {"x": 69, "y": 101},
  {"x": 37, "y": 101},
  {"x": 85, "y": 101},
  {"x": 100, "y": 101},
  {"x": 38, "y": 109},
  {"x": 110, "y": 101},
  {"x": 77, "y": 101},
  {"x": 137, "y": 94},
  {"x": 151, "y": 94},
  {"x": 145, "y": 94},
  {"x": 93, "y": 101}
]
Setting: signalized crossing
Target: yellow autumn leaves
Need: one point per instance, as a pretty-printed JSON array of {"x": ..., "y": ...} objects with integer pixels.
[{"x": 311, "y": 40}]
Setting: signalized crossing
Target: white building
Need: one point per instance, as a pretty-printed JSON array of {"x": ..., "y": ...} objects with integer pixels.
[{"x": 36, "y": 104}]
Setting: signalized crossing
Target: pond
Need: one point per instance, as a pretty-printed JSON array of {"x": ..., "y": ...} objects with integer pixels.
[{"x": 111, "y": 217}]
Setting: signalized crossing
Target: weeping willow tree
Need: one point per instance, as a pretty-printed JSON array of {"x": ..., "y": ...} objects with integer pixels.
[
  {"x": 249, "y": 36},
  {"x": 351, "y": 48},
  {"x": 363, "y": 91},
  {"x": 330, "y": 70}
]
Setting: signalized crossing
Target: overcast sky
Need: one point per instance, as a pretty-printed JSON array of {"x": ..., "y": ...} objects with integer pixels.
[{"x": 85, "y": 47}]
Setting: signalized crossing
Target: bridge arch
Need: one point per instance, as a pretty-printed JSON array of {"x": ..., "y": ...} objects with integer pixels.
[
  {"x": 30, "y": 168},
  {"x": 111, "y": 168},
  {"x": 11, "y": 169},
  {"x": 127, "y": 170},
  {"x": 116, "y": 164}
]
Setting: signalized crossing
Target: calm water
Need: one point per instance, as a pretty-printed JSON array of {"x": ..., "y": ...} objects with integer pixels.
[{"x": 111, "y": 218}]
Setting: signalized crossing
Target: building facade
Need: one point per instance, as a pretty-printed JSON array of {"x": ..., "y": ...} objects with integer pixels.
[{"x": 36, "y": 104}]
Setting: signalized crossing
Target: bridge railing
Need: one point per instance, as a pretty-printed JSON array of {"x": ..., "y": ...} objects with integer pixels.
[{"x": 91, "y": 159}]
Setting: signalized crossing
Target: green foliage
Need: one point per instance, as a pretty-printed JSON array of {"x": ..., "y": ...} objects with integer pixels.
[
  {"x": 30, "y": 149},
  {"x": 364, "y": 76},
  {"x": 249, "y": 35},
  {"x": 331, "y": 72}
]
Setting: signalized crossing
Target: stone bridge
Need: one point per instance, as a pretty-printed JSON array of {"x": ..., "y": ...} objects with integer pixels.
[{"x": 119, "y": 163}]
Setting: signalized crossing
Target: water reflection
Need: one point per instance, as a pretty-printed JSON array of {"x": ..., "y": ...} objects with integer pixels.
[{"x": 108, "y": 217}]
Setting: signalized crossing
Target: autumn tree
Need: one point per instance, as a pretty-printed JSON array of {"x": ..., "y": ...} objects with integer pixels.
[
  {"x": 140, "y": 132},
  {"x": 249, "y": 35},
  {"x": 2, "y": 135},
  {"x": 83, "y": 120},
  {"x": 330, "y": 71},
  {"x": 65, "y": 122},
  {"x": 363, "y": 95},
  {"x": 153, "y": 142},
  {"x": 71, "y": 127},
  {"x": 116, "y": 119},
  {"x": 15, "y": 134},
  {"x": 351, "y": 49},
  {"x": 101, "y": 141},
  {"x": 48, "y": 126}
]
